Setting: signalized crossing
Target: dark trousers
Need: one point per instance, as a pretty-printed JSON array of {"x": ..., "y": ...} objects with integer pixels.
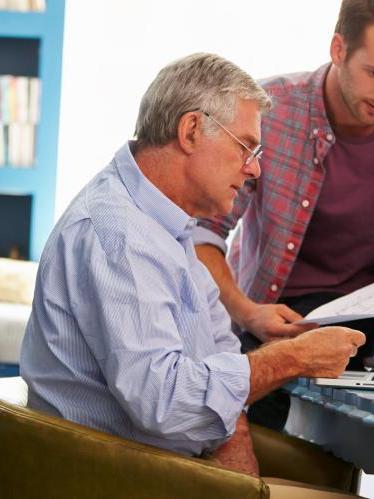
[{"x": 272, "y": 410}]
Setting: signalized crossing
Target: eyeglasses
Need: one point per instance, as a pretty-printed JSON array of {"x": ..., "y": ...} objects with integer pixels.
[{"x": 251, "y": 154}]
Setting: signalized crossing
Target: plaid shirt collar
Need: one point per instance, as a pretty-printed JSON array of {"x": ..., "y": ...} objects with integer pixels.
[{"x": 318, "y": 116}]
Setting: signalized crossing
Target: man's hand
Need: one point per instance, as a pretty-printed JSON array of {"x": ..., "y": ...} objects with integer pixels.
[
  {"x": 323, "y": 352},
  {"x": 237, "y": 453},
  {"x": 266, "y": 322},
  {"x": 272, "y": 322}
]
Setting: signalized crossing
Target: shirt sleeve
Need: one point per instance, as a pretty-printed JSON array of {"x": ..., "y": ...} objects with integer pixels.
[
  {"x": 202, "y": 235},
  {"x": 130, "y": 318},
  {"x": 225, "y": 339}
]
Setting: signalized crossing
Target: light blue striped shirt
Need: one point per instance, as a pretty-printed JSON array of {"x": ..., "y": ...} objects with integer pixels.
[{"x": 127, "y": 333}]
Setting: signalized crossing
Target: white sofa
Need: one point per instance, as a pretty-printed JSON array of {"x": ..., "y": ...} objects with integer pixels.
[{"x": 17, "y": 282}]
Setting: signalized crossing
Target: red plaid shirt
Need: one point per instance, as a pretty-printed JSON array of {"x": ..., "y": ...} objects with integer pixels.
[{"x": 276, "y": 209}]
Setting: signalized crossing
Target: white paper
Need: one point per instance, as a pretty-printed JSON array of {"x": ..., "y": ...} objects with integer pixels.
[{"x": 356, "y": 305}]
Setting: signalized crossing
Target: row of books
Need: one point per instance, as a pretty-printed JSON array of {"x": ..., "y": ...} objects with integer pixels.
[
  {"x": 19, "y": 115},
  {"x": 17, "y": 145},
  {"x": 23, "y": 5},
  {"x": 19, "y": 99}
]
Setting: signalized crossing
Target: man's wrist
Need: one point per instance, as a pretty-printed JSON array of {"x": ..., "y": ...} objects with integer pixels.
[
  {"x": 241, "y": 309},
  {"x": 273, "y": 365}
]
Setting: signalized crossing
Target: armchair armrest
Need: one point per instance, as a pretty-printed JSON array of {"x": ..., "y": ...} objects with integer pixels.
[{"x": 282, "y": 456}]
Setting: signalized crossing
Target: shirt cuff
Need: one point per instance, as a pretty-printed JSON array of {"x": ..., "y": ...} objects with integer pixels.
[
  {"x": 229, "y": 376},
  {"x": 201, "y": 235}
]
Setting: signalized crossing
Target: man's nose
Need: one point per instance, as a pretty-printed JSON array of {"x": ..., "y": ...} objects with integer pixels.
[{"x": 253, "y": 169}]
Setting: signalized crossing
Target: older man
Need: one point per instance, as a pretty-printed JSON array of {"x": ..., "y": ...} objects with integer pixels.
[{"x": 127, "y": 333}]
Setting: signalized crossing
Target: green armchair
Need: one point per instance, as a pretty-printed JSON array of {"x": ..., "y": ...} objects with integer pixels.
[
  {"x": 50, "y": 458},
  {"x": 47, "y": 457}
]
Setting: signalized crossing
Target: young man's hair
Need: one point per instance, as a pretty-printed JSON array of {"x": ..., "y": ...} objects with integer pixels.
[
  {"x": 354, "y": 17},
  {"x": 204, "y": 82}
]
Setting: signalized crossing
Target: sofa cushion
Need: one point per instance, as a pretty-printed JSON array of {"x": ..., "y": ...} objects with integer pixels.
[
  {"x": 13, "y": 390},
  {"x": 17, "y": 280}
]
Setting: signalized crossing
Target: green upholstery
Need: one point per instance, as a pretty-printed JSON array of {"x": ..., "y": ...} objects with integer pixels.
[
  {"x": 47, "y": 457},
  {"x": 287, "y": 457}
]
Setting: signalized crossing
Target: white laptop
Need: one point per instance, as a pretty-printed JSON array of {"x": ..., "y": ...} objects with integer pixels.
[
  {"x": 356, "y": 305},
  {"x": 361, "y": 380}
]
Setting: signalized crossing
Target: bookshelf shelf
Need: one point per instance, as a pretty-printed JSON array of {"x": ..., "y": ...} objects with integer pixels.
[
  {"x": 23, "y": 24},
  {"x": 19, "y": 180},
  {"x": 40, "y": 179}
]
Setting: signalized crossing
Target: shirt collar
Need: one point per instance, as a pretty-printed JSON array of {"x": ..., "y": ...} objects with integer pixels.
[
  {"x": 319, "y": 123},
  {"x": 149, "y": 199}
]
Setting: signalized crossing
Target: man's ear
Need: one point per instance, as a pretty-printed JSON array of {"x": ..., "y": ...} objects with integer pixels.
[
  {"x": 338, "y": 49},
  {"x": 189, "y": 131}
]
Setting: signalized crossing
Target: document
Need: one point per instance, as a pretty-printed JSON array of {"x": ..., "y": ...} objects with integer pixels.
[{"x": 356, "y": 305}]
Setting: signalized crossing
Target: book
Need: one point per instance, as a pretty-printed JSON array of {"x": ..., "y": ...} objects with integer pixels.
[
  {"x": 2, "y": 145},
  {"x": 26, "y": 145},
  {"x": 21, "y": 143},
  {"x": 23, "y": 5},
  {"x": 34, "y": 100},
  {"x": 354, "y": 306},
  {"x": 14, "y": 144},
  {"x": 4, "y": 95},
  {"x": 38, "y": 5},
  {"x": 22, "y": 99}
]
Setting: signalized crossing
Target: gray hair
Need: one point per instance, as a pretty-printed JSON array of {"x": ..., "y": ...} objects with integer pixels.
[{"x": 199, "y": 81}]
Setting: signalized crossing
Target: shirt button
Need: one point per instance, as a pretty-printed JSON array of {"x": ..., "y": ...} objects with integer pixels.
[
  {"x": 290, "y": 246},
  {"x": 315, "y": 161},
  {"x": 305, "y": 203},
  {"x": 274, "y": 288},
  {"x": 315, "y": 131},
  {"x": 329, "y": 137}
]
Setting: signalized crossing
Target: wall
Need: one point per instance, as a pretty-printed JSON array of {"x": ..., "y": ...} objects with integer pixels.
[{"x": 113, "y": 49}]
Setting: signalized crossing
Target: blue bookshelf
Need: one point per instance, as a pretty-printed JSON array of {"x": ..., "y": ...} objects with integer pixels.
[
  {"x": 9, "y": 370},
  {"x": 40, "y": 180}
]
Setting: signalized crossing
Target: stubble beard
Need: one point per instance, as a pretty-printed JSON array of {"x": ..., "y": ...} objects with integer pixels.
[{"x": 352, "y": 102}]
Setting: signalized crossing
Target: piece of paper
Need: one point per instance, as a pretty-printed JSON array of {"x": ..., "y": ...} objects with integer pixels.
[{"x": 354, "y": 306}]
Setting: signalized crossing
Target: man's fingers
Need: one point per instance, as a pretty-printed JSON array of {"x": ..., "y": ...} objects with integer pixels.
[
  {"x": 354, "y": 352},
  {"x": 293, "y": 330},
  {"x": 289, "y": 314},
  {"x": 309, "y": 326},
  {"x": 357, "y": 337}
]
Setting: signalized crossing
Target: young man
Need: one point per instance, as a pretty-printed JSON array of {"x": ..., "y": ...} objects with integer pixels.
[
  {"x": 307, "y": 234},
  {"x": 127, "y": 333}
]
